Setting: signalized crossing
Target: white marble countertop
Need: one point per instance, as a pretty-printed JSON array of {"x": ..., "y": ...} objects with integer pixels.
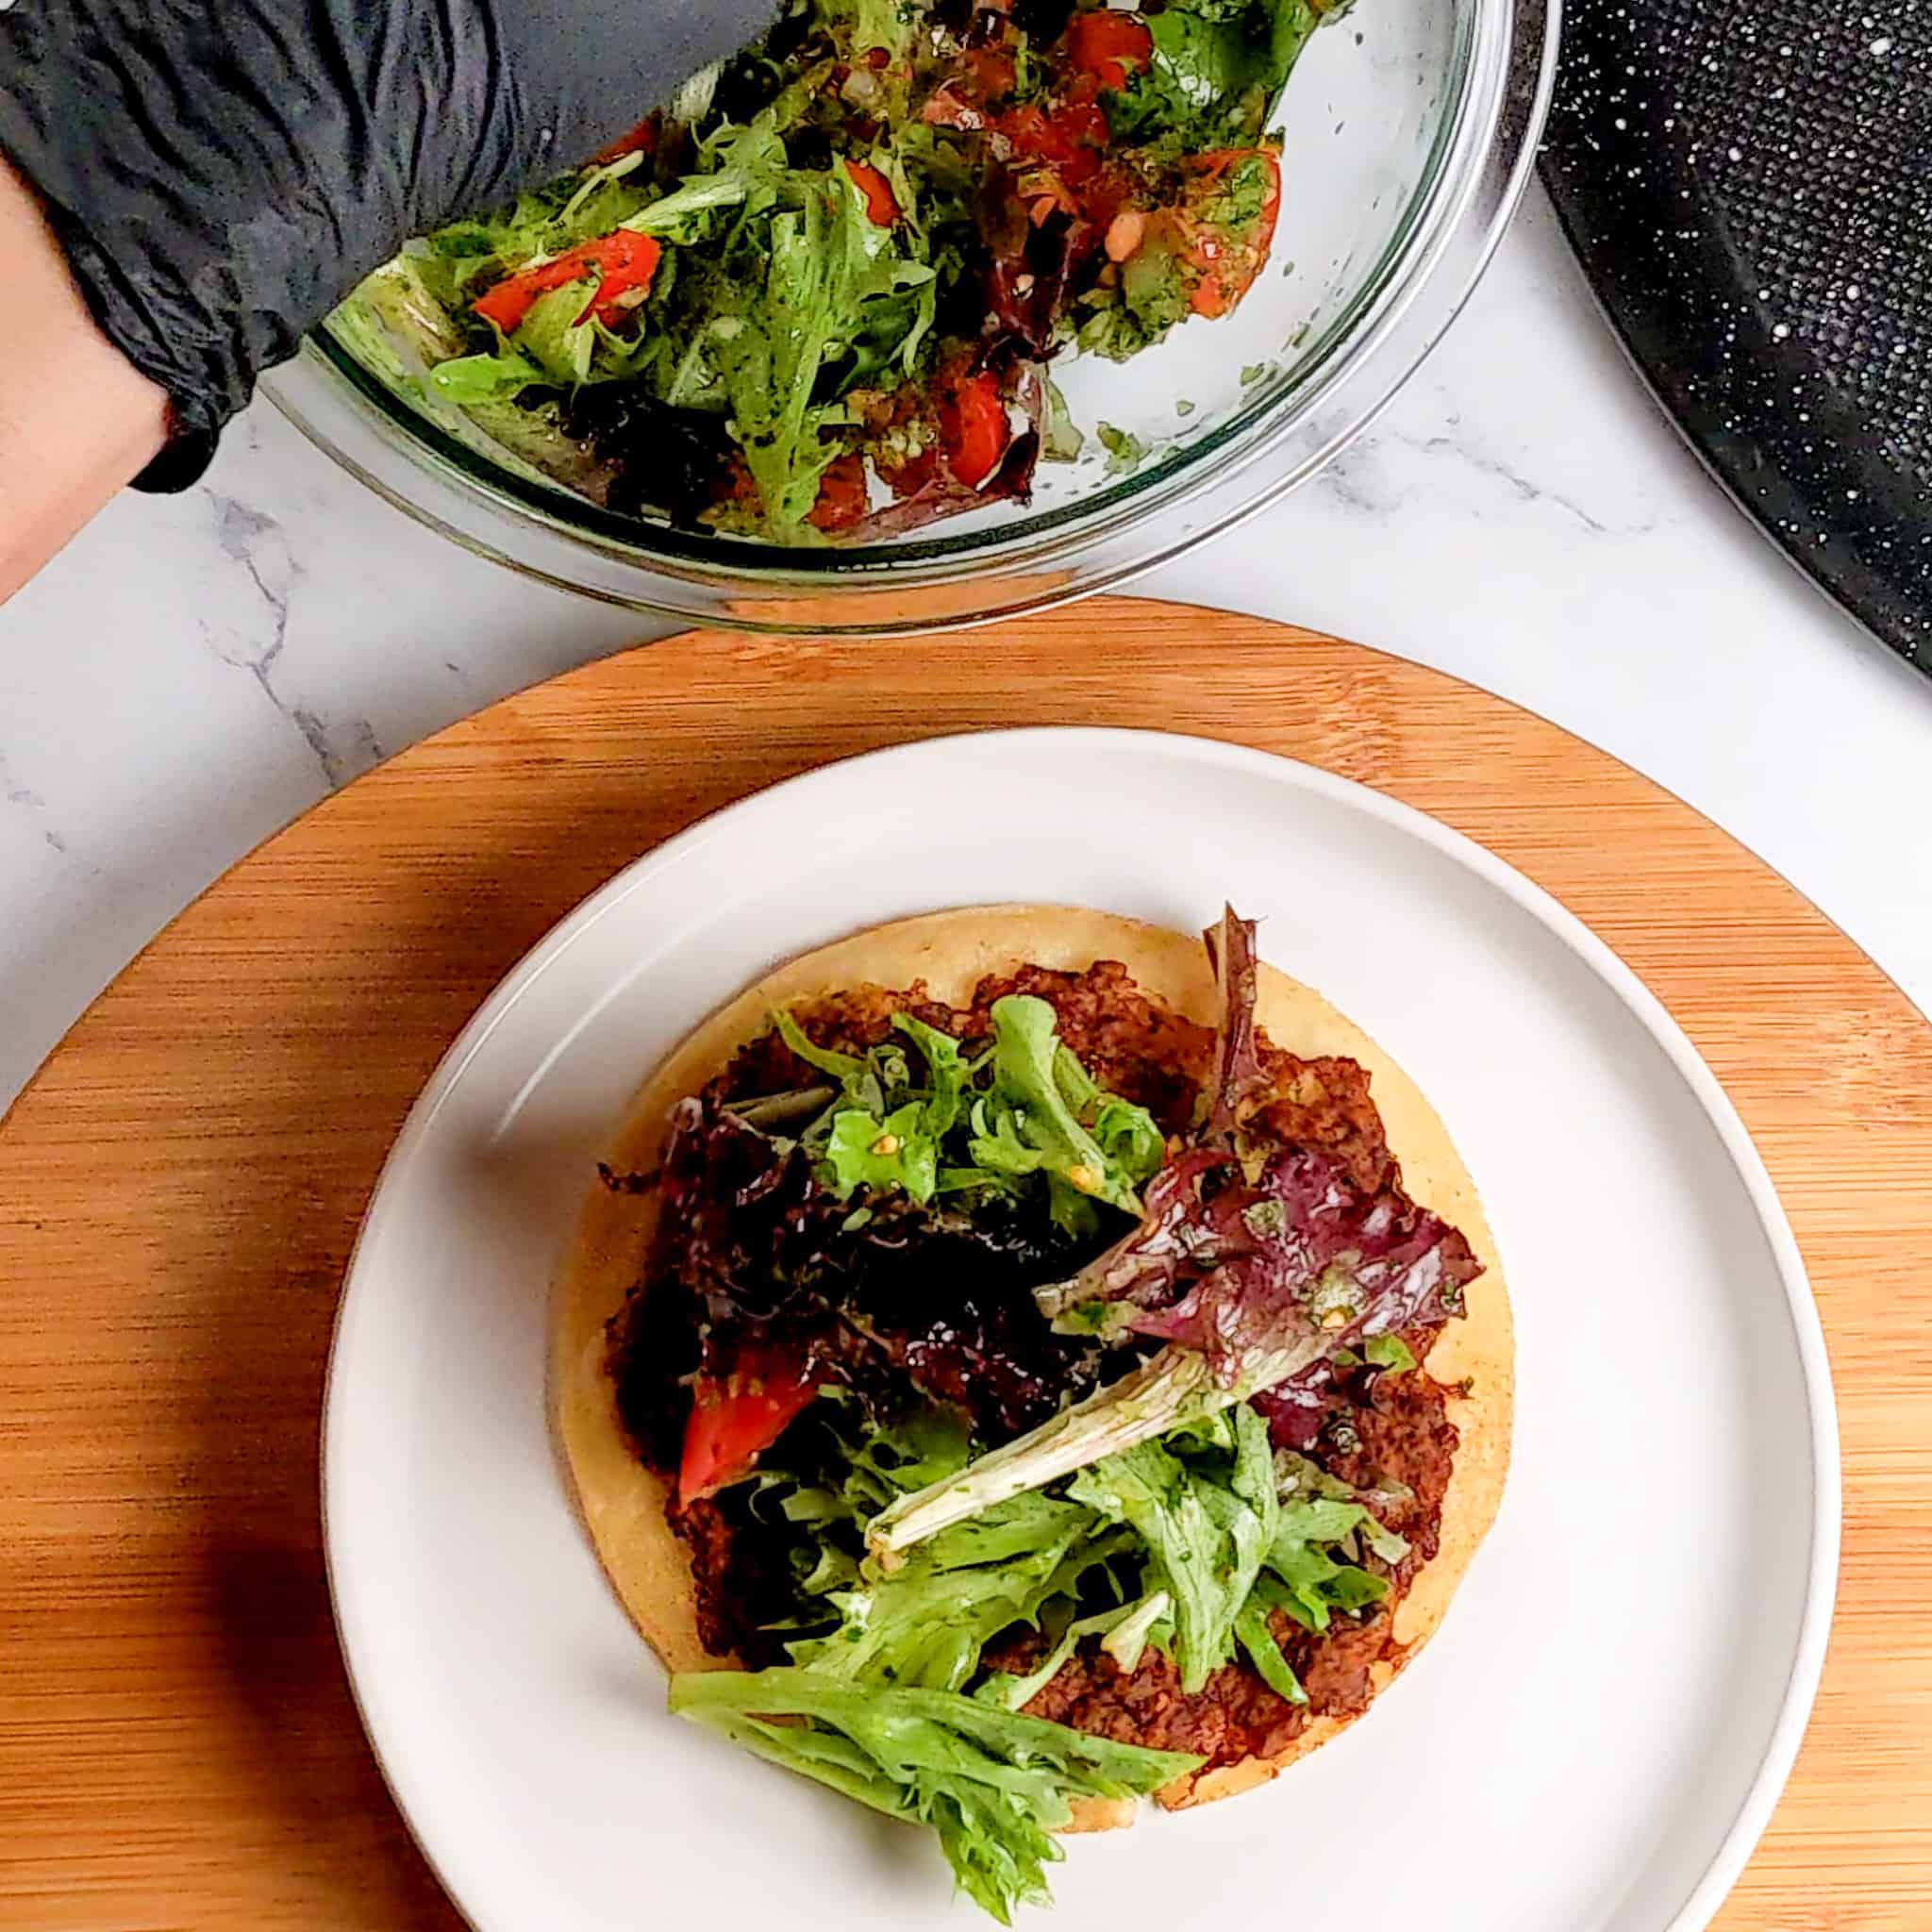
[{"x": 195, "y": 671}]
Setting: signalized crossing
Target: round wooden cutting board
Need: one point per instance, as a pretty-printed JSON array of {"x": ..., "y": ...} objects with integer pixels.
[{"x": 180, "y": 1186}]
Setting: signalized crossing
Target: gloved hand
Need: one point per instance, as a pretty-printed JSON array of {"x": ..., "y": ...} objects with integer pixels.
[{"x": 221, "y": 172}]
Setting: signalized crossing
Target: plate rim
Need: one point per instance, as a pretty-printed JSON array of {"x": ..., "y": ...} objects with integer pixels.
[{"x": 1732, "y": 1851}]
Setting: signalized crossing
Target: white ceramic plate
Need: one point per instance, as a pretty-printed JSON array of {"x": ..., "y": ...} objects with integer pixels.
[{"x": 1596, "y": 1736}]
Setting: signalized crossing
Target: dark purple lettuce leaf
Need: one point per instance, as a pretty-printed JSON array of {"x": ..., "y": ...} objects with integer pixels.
[
  {"x": 1295, "y": 1411},
  {"x": 1249, "y": 1248},
  {"x": 1238, "y": 1077},
  {"x": 1302, "y": 1244},
  {"x": 1230, "y": 1266},
  {"x": 874, "y": 1292}
]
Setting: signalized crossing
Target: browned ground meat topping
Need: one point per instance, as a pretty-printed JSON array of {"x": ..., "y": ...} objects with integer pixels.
[
  {"x": 1381, "y": 1431},
  {"x": 1402, "y": 1437},
  {"x": 707, "y": 1534},
  {"x": 1234, "y": 1715},
  {"x": 1132, "y": 1045}
]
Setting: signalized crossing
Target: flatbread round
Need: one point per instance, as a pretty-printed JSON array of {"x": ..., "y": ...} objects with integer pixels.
[{"x": 622, "y": 1502}]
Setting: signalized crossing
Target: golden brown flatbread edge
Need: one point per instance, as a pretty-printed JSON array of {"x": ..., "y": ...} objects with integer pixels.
[{"x": 622, "y": 1503}]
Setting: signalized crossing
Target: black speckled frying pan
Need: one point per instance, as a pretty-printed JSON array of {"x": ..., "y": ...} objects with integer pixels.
[{"x": 1749, "y": 185}]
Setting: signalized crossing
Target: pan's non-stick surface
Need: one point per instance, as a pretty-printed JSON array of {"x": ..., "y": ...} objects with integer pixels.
[{"x": 1749, "y": 185}]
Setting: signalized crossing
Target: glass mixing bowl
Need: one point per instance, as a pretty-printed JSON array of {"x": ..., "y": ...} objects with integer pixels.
[{"x": 1409, "y": 127}]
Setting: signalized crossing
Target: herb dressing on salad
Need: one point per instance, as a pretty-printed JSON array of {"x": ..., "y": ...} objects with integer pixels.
[{"x": 818, "y": 297}]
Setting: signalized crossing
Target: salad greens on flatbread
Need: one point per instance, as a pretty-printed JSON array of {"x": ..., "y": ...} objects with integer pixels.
[{"x": 1028, "y": 1401}]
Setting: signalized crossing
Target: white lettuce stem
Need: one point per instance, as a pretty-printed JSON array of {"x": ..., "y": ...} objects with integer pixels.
[{"x": 1174, "y": 1386}]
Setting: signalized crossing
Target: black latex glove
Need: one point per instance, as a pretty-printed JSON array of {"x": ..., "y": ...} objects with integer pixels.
[{"x": 221, "y": 172}]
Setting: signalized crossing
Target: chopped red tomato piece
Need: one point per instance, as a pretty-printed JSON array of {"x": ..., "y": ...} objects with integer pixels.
[
  {"x": 1109, "y": 45},
  {"x": 881, "y": 204},
  {"x": 843, "y": 499},
  {"x": 736, "y": 1417},
  {"x": 973, "y": 430},
  {"x": 1233, "y": 195},
  {"x": 624, "y": 263},
  {"x": 1068, "y": 138},
  {"x": 642, "y": 139}
]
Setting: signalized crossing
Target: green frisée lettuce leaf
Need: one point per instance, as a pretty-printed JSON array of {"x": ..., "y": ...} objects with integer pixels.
[
  {"x": 884, "y": 1129},
  {"x": 824, "y": 263},
  {"x": 1255, "y": 1632},
  {"x": 557, "y": 334},
  {"x": 1319, "y": 1520},
  {"x": 1310, "y": 1570},
  {"x": 1342, "y": 1514},
  {"x": 1128, "y": 1634},
  {"x": 1202, "y": 1503},
  {"x": 741, "y": 169},
  {"x": 1041, "y": 1113},
  {"x": 1031, "y": 1121},
  {"x": 1310, "y": 1584},
  {"x": 912, "y": 1115},
  {"x": 485, "y": 378},
  {"x": 994, "y": 1783},
  {"x": 947, "y": 1073},
  {"x": 1206, "y": 1540},
  {"x": 899, "y": 1151},
  {"x": 928, "y": 1620},
  {"x": 1225, "y": 1547}
]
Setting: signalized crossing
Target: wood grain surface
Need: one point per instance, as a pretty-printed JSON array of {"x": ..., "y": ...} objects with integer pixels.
[{"x": 179, "y": 1189}]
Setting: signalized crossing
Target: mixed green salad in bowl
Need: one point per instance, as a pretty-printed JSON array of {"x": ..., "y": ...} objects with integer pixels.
[
  {"x": 925, "y": 311},
  {"x": 824, "y": 294}
]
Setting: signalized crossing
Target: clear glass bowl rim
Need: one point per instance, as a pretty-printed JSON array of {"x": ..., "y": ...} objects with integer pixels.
[{"x": 1479, "y": 165}]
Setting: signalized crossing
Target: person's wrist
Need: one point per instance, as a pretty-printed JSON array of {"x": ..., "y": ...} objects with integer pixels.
[{"x": 77, "y": 420}]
